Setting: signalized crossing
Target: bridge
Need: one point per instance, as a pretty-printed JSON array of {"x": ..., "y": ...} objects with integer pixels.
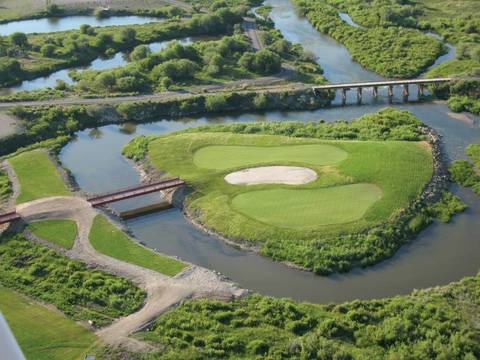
[
  {"x": 385, "y": 83},
  {"x": 9, "y": 217},
  {"x": 128, "y": 193}
]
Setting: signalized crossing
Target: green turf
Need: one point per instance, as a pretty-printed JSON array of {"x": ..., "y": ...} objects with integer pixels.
[
  {"x": 399, "y": 169},
  {"x": 305, "y": 208},
  {"x": 228, "y": 157},
  {"x": 38, "y": 176},
  {"x": 111, "y": 241},
  {"x": 60, "y": 232},
  {"x": 44, "y": 334}
]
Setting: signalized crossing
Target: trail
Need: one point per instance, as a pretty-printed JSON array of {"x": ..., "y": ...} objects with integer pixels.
[
  {"x": 163, "y": 292},
  {"x": 267, "y": 82}
]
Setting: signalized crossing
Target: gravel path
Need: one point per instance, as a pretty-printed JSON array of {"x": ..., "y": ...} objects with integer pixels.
[{"x": 163, "y": 292}]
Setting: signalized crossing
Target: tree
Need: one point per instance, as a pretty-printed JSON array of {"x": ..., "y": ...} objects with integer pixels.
[
  {"x": 267, "y": 62},
  {"x": 140, "y": 52},
  {"x": 19, "y": 39},
  {"x": 128, "y": 35},
  {"x": 175, "y": 69},
  {"x": 47, "y": 50},
  {"x": 105, "y": 81},
  {"x": 215, "y": 65},
  {"x": 87, "y": 29}
]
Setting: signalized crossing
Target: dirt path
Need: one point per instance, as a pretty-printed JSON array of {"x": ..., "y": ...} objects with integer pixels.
[
  {"x": 268, "y": 84},
  {"x": 163, "y": 292},
  {"x": 8, "y": 124}
]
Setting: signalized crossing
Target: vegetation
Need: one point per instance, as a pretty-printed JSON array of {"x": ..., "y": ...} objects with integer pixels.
[
  {"x": 81, "y": 293},
  {"x": 391, "y": 51},
  {"x": 109, "y": 240},
  {"x": 59, "y": 232},
  {"x": 42, "y": 333},
  {"x": 464, "y": 172},
  {"x": 37, "y": 176},
  {"x": 391, "y": 165},
  {"x": 60, "y": 50},
  {"x": 5, "y": 187},
  {"x": 53, "y": 126},
  {"x": 429, "y": 324}
]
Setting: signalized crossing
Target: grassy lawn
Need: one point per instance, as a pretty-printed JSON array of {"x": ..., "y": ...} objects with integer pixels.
[
  {"x": 37, "y": 176},
  {"x": 44, "y": 334},
  {"x": 60, "y": 232},
  {"x": 111, "y": 241},
  {"x": 357, "y": 211},
  {"x": 306, "y": 208},
  {"x": 237, "y": 156},
  {"x": 387, "y": 176}
]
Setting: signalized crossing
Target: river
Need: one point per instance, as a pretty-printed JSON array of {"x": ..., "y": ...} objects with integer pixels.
[{"x": 441, "y": 254}]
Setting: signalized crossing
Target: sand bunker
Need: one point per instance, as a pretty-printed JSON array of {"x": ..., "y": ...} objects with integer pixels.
[{"x": 289, "y": 175}]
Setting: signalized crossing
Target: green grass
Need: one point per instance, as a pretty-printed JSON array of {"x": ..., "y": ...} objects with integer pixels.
[
  {"x": 111, "y": 241},
  {"x": 79, "y": 292},
  {"x": 230, "y": 157},
  {"x": 38, "y": 176},
  {"x": 60, "y": 232},
  {"x": 306, "y": 208},
  {"x": 399, "y": 169},
  {"x": 326, "y": 225},
  {"x": 44, "y": 334}
]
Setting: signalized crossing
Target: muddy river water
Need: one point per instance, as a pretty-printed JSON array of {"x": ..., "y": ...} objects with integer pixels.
[{"x": 441, "y": 254}]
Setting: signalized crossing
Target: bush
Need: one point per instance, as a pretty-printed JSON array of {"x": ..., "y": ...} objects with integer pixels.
[
  {"x": 81, "y": 293},
  {"x": 47, "y": 50}
]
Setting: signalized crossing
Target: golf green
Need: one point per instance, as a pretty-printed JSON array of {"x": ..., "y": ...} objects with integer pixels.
[
  {"x": 229, "y": 157},
  {"x": 304, "y": 208}
]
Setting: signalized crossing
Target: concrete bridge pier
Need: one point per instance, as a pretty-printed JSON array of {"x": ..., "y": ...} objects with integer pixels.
[
  {"x": 421, "y": 90},
  {"x": 344, "y": 95},
  {"x": 375, "y": 92},
  {"x": 390, "y": 93},
  {"x": 359, "y": 95},
  {"x": 406, "y": 92}
]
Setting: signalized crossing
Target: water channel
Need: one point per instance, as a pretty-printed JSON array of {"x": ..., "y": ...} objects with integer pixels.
[
  {"x": 441, "y": 254},
  {"x": 47, "y": 25}
]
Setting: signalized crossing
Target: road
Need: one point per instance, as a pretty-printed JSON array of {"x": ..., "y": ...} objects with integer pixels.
[{"x": 250, "y": 28}]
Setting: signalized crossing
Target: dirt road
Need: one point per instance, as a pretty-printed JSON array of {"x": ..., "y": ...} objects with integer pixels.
[
  {"x": 266, "y": 84},
  {"x": 163, "y": 292}
]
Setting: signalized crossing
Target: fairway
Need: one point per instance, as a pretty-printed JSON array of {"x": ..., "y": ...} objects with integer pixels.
[
  {"x": 59, "y": 232},
  {"x": 305, "y": 208},
  {"x": 44, "y": 334},
  {"x": 229, "y": 157},
  {"x": 37, "y": 176},
  {"x": 111, "y": 241}
]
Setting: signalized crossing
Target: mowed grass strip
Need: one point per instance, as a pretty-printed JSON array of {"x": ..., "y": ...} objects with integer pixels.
[
  {"x": 59, "y": 232},
  {"x": 44, "y": 334},
  {"x": 306, "y": 208},
  {"x": 37, "y": 176},
  {"x": 111, "y": 241},
  {"x": 228, "y": 157}
]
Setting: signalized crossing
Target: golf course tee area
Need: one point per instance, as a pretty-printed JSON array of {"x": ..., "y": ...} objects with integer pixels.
[{"x": 327, "y": 222}]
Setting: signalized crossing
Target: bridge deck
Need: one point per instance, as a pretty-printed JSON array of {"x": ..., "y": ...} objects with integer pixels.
[
  {"x": 383, "y": 83},
  {"x": 9, "y": 217},
  {"x": 132, "y": 192}
]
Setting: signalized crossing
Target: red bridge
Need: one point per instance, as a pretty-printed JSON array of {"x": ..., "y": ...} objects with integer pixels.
[
  {"x": 9, "y": 217},
  {"x": 132, "y": 192}
]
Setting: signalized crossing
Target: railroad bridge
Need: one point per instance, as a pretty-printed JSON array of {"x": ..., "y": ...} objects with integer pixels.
[{"x": 389, "y": 84}]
